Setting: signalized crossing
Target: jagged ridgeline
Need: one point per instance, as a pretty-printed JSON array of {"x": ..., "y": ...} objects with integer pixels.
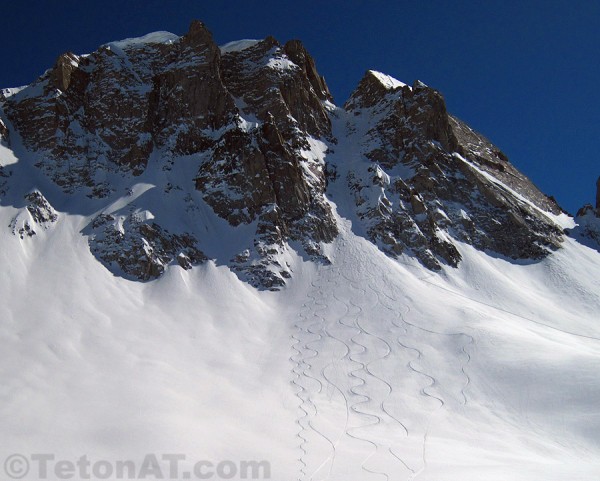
[
  {"x": 587, "y": 230},
  {"x": 186, "y": 151}
]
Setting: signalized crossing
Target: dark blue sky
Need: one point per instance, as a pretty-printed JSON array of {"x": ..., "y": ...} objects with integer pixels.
[{"x": 524, "y": 73}]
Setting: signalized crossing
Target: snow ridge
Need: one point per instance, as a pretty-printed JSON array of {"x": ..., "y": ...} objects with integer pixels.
[
  {"x": 387, "y": 81},
  {"x": 150, "y": 38},
  {"x": 238, "y": 45}
]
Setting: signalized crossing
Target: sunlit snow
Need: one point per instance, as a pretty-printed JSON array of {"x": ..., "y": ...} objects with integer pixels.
[{"x": 368, "y": 368}]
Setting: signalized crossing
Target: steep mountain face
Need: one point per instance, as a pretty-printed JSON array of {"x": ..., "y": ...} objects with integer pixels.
[
  {"x": 250, "y": 130},
  {"x": 433, "y": 322},
  {"x": 4, "y": 140},
  {"x": 3, "y": 132},
  {"x": 587, "y": 230},
  {"x": 432, "y": 179},
  {"x": 247, "y": 117}
]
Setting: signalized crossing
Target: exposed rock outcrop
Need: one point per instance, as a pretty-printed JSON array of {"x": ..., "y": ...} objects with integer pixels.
[
  {"x": 251, "y": 116},
  {"x": 5, "y": 173},
  {"x": 4, "y": 135},
  {"x": 433, "y": 180},
  {"x": 248, "y": 130},
  {"x": 140, "y": 249},
  {"x": 587, "y": 230},
  {"x": 37, "y": 214},
  {"x": 109, "y": 110}
]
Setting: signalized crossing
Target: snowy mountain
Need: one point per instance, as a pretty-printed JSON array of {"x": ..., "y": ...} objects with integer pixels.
[{"x": 205, "y": 255}]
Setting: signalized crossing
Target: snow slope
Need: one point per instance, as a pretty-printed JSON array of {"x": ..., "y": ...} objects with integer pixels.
[
  {"x": 366, "y": 366},
  {"x": 365, "y": 369}
]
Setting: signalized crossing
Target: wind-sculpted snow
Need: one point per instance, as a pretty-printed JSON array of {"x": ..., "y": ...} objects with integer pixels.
[
  {"x": 389, "y": 385},
  {"x": 363, "y": 368},
  {"x": 587, "y": 230},
  {"x": 430, "y": 322}
]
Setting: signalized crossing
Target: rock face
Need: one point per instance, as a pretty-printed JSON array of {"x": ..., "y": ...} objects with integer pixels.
[
  {"x": 37, "y": 214},
  {"x": 250, "y": 117},
  {"x": 141, "y": 249},
  {"x": 267, "y": 159},
  {"x": 587, "y": 230},
  {"x": 249, "y": 131},
  {"x": 4, "y": 141},
  {"x": 108, "y": 111},
  {"x": 3, "y": 133},
  {"x": 432, "y": 180}
]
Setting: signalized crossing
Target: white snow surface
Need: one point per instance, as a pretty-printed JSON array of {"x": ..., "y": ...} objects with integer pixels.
[
  {"x": 9, "y": 92},
  {"x": 154, "y": 37},
  {"x": 238, "y": 45},
  {"x": 563, "y": 220},
  {"x": 365, "y": 366},
  {"x": 387, "y": 81},
  {"x": 366, "y": 369},
  {"x": 281, "y": 63}
]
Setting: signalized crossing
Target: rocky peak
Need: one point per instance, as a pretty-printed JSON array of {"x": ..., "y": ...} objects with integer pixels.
[
  {"x": 197, "y": 35},
  {"x": 587, "y": 230},
  {"x": 421, "y": 105},
  {"x": 65, "y": 65},
  {"x": 267, "y": 80},
  {"x": 250, "y": 118},
  {"x": 298, "y": 54},
  {"x": 588, "y": 209},
  {"x": 111, "y": 109},
  {"x": 372, "y": 89},
  {"x": 245, "y": 133},
  {"x": 443, "y": 181}
]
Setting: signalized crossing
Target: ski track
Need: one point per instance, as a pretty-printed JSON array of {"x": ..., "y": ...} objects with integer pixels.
[
  {"x": 368, "y": 373},
  {"x": 363, "y": 336},
  {"x": 317, "y": 309},
  {"x": 300, "y": 370},
  {"x": 432, "y": 379},
  {"x": 423, "y": 391}
]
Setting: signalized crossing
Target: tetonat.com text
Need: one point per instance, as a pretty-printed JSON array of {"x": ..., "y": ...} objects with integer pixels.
[{"x": 153, "y": 466}]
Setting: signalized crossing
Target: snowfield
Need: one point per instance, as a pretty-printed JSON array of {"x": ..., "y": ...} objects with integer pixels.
[
  {"x": 367, "y": 368},
  {"x": 363, "y": 369}
]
